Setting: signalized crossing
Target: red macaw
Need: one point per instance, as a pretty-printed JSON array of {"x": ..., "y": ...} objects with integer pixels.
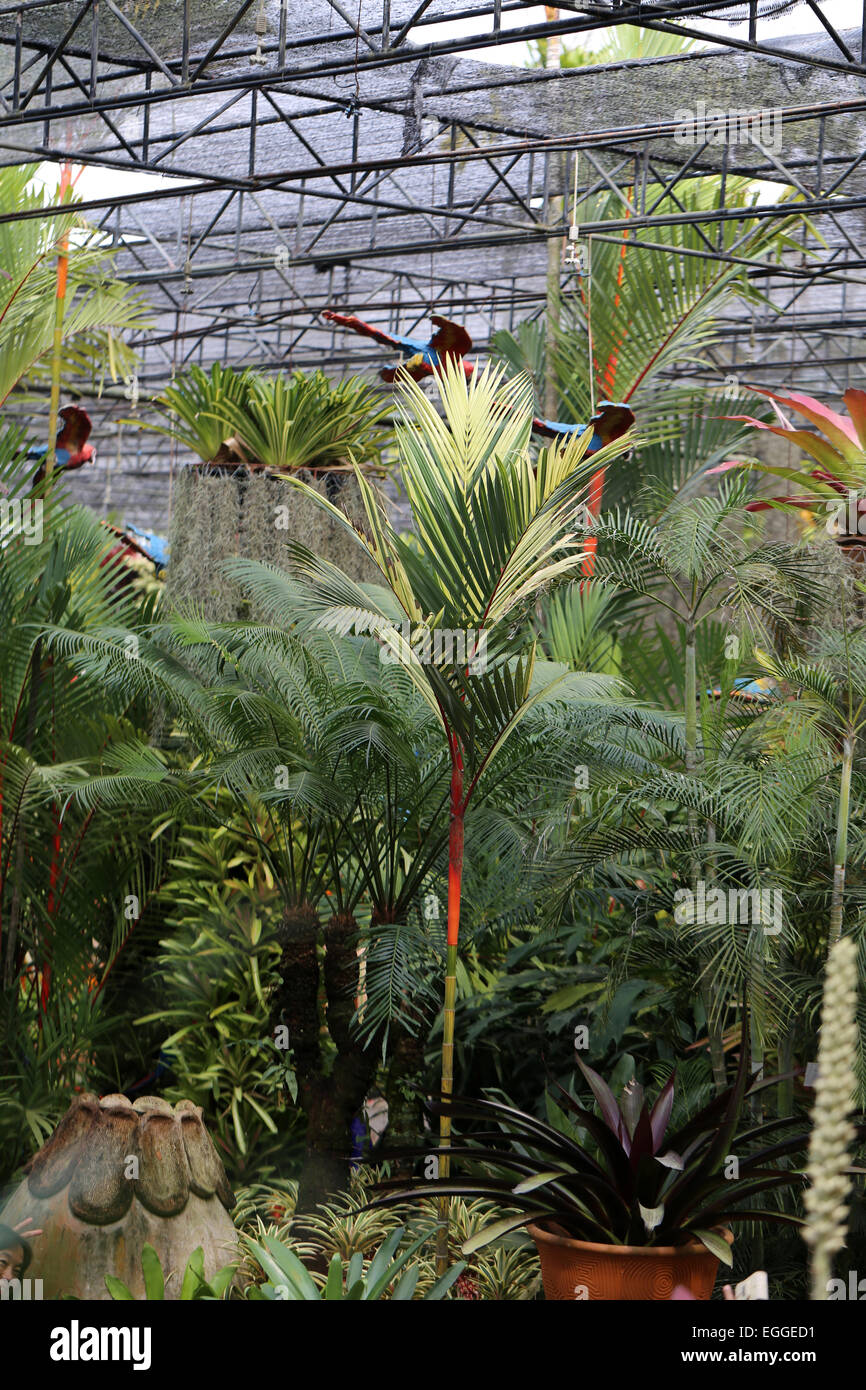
[{"x": 71, "y": 449}]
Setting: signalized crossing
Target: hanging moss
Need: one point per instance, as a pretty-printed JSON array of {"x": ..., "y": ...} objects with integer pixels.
[{"x": 216, "y": 515}]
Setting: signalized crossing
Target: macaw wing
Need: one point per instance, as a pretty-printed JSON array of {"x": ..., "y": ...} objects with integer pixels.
[
  {"x": 75, "y": 429},
  {"x": 450, "y": 338},
  {"x": 154, "y": 547},
  {"x": 366, "y": 330},
  {"x": 610, "y": 422},
  {"x": 766, "y": 504},
  {"x": 554, "y": 429}
]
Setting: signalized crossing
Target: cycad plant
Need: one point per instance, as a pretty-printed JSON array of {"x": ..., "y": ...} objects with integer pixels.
[
  {"x": 307, "y": 421},
  {"x": 491, "y": 530},
  {"x": 196, "y": 408},
  {"x": 331, "y": 772}
]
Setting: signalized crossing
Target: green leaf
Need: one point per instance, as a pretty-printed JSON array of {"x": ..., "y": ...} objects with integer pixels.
[
  {"x": 154, "y": 1280},
  {"x": 539, "y": 1180},
  {"x": 118, "y": 1289},
  {"x": 193, "y": 1275},
  {"x": 334, "y": 1282},
  {"x": 496, "y": 1229},
  {"x": 715, "y": 1244},
  {"x": 441, "y": 1287}
]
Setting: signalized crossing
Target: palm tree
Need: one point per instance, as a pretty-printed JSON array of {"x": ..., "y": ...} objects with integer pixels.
[
  {"x": 492, "y": 529},
  {"x": 639, "y": 319},
  {"x": 695, "y": 564},
  {"x": 624, "y": 44},
  {"x": 834, "y": 483},
  {"x": 66, "y": 873},
  {"x": 98, "y": 308}
]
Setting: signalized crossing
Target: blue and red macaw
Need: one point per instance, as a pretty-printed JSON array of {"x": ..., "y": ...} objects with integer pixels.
[
  {"x": 451, "y": 340},
  {"x": 71, "y": 449},
  {"x": 754, "y": 689}
]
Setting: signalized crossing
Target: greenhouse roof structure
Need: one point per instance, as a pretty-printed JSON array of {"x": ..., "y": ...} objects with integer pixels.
[{"x": 265, "y": 160}]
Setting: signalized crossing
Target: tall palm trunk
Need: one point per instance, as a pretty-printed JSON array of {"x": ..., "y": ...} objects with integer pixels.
[
  {"x": 840, "y": 859},
  {"x": 455, "y": 878},
  {"x": 57, "y": 348},
  {"x": 714, "y": 1032}
]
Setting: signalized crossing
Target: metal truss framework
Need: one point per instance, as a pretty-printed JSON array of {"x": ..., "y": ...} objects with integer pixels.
[{"x": 304, "y": 156}]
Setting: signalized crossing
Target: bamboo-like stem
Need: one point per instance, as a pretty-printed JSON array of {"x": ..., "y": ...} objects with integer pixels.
[
  {"x": 57, "y": 348},
  {"x": 840, "y": 858},
  {"x": 455, "y": 877},
  {"x": 717, "y": 1050}
]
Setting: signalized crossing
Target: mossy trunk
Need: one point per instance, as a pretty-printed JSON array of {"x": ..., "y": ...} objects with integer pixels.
[
  {"x": 318, "y": 990},
  {"x": 403, "y": 1094}
]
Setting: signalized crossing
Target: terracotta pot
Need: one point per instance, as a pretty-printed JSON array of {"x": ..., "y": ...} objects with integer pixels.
[{"x": 578, "y": 1269}]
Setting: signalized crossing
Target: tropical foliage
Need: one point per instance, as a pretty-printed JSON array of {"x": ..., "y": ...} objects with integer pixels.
[
  {"x": 99, "y": 308},
  {"x": 573, "y": 785}
]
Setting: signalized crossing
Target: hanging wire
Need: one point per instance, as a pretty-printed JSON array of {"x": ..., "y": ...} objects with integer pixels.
[
  {"x": 574, "y": 255},
  {"x": 590, "y": 349},
  {"x": 579, "y": 258},
  {"x": 261, "y": 29}
]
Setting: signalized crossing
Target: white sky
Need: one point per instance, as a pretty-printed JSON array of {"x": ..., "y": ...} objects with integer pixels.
[{"x": 93, "y": 182}]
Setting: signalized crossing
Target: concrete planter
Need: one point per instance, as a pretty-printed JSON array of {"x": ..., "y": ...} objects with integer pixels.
[{"x": 116, "y": 1175}]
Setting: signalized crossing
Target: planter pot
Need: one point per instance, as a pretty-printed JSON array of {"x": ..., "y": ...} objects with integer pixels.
[{"x": 578, "y": 1269}]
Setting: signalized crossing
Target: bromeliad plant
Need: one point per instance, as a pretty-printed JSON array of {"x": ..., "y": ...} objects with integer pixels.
[
  {"x": 388, "y": 1275},
  {"x": 623, "y": 1176},
  {"x": 195, "y": 406},
  {"x": 308, "y": 421},
  {"x": 194, "y": 1286}
]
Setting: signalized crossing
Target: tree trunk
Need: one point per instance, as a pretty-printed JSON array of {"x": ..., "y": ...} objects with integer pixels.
[
  {"x": 403, "y": 1094},
  {"x": 840, "y": 859},
  {"x": 330, "y": 1100}
]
